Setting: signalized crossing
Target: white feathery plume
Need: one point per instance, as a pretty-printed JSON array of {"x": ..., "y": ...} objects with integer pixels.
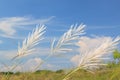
[
  {"x": 67, "y": 39},
  {"x": 29, "y": 43},
  {"x": 93, "y": 59}
]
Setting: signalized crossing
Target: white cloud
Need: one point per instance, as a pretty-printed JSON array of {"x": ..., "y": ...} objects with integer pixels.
[
  {"x": 88, "y": 44},
  {"x": 27, "y": 66},
  {"x": 31, "y": 64},
  {"x": 30, "y": 61},
  {"x": 91, "y": 43},
  {"x": 8, "y": 25}
]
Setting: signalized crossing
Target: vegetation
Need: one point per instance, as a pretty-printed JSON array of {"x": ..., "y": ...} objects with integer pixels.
[
  {"x": 101, "y": 74},
  {"x": 116, "y": 56}
]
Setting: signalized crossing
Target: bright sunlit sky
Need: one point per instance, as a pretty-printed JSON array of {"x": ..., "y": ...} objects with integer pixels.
[{"x": 19, "y": 17}]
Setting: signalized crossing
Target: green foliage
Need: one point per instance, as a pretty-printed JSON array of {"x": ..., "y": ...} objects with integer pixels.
[
  {"x": 17, "y": 73},
  {"x": 116, "y": 56},
  {"x": 5, "y": 73},
  {"x": 60, "y": 71},
  {"x": 109, "y": 73},
  {"x": 44, "y": 71},
  {"x": 111, "y": 65}
]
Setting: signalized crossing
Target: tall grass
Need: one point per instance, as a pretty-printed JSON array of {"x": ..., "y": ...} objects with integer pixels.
[
  {"x": 89, "y": 60},
  {"x": 28, "y": 47},
  {"x": 29, "y": 43},
  {"x": 94, "y": 59},
  {"x": 67, "y": 39}
]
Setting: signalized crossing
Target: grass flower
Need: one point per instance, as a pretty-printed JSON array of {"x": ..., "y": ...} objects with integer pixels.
[
  {"x": 67, "y": 39},
  {"x": 93, "y": 59},
  {"x": 29, "y": 43}
]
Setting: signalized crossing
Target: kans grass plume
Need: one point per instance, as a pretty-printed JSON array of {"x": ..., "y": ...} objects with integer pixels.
[
  {"x": 94, "y": 59},
  {"x": 29, "y": 43},
  {"x": 67, "y": 39}
]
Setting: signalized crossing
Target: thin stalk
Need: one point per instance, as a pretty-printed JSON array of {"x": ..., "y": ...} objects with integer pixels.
[
  {"x": 42, "y": 62},
  {"x": 69, "y": 74},
  {"x": 7, "y": 75}
]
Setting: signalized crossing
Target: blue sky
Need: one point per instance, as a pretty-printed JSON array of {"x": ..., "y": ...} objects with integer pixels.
[{"x": 19, "y": 17}]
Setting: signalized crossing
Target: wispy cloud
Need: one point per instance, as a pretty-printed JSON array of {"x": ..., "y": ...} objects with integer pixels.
[
  {"x": 11, "y": 36},
  {"x": 9, "y": 25}
]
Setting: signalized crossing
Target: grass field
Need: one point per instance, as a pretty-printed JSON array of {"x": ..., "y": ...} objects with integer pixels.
[{"x": 112, "y": 72}]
